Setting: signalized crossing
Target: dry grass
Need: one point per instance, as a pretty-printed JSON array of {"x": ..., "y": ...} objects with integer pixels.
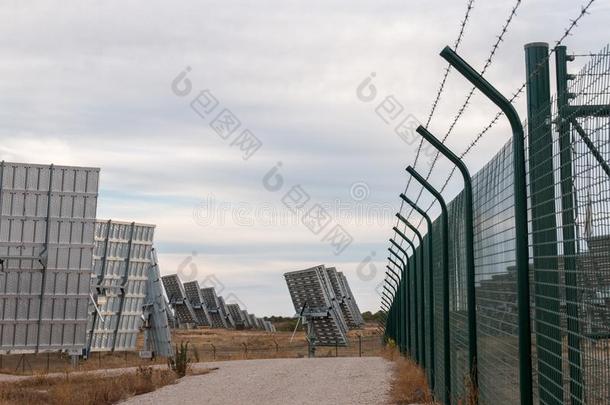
[
  {"x": 84, "y": 389},
  {"x": 409, "y": 385},
  {"x": 206, "y": 344}
]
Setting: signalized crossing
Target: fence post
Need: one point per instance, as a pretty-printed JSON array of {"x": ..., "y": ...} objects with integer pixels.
[
  {"x": 245, "y": 350},
  {"x": 422, "y": 317},
  {"x": 568, "y": 226},
  {"x": 415, "y": 348},
  {"x": 336, "y": 348},
  {"x": 213, "y": 351},
  {"x": 401, "y": 290},
  {"x": 359, "y": 345},
  {"x": 469, "y": 243},
  {"x": 544, "y": 225},
  {"x": 445, "y": 283},
  {"x": 407, "y": 303},
  {"x": 521, "y": 241},
  {"x": 430, "y": 285}
]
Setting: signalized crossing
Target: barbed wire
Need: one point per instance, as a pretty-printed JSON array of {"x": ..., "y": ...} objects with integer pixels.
[
  {"x": 567, "y": 32},
  {"x": 441, "y": 87},
  {"x": 466, "y": 103}
]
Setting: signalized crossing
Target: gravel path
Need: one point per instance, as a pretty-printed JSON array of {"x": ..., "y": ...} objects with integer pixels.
[{"x": 320, "y": 381}]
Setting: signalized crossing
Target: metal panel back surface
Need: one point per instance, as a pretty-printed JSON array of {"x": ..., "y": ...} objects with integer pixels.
[
  {"x": 252, "y": 321},
  {"x": 217, "y": 319},
  {"x": 236, "y": 313},
  {"x": 342, "y": 298},
  {"x": 312, "y": 288},
  {"x": 193, "y": 294},
  {"x": 47, "y": 217},
  {"x": 158, "y": 334},
  {"x": 246, "y": 319},
  {"x": 351, "y": 300},
  {"x": 122, "y": 263},
  {"x": 225, "y": 313},
  {"x": 183, "y": 311}
]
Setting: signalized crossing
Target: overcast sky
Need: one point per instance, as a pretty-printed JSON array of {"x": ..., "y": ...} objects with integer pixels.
[{"x": 90, "y": 84}]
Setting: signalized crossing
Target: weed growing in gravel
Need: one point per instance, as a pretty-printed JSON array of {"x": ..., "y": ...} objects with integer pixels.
[{"x": 181, "y": 362}]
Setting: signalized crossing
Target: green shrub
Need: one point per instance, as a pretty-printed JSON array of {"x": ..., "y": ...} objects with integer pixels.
[{"x": 181, "y": 362}]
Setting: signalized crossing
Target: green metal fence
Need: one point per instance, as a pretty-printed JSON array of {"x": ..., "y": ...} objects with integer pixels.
[{"x": 541, "y": 327}]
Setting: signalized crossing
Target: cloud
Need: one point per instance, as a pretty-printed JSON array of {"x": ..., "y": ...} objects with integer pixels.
[{"x": 89, "y": 85}]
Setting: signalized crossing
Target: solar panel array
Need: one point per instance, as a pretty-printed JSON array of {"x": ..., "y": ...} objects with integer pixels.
[
  {"x": 191, "y": 304},
  {"x": 122, "y": 262},
  {"x": 47, "y": 220},
  {"x": 312, "y": 292}
]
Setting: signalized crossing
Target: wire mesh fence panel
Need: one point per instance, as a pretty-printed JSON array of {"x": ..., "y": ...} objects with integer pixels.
[
  {"x": 496, "y": 280},
  {"x": 458, "y": 316},
  {"x": 567, "y": 140},
  {"x": 569, "y": 189},
  {"x": 437, "y": 274}
]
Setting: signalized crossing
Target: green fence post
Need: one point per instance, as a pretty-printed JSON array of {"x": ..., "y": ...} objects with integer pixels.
[
  {"x": 400, "y": 296},
  {"x": 568, "y": 226},
  {"x": 414, "y": 325},
  {"x": 430, "y": 285},
  {"x": 445, "y": 285},
  {"x": 469, "y": 243},
  {"x": 406, "y": 305},
  {"x": 520, "y": 195},
  {"x": 544, "y": 226},
  {"x": 422, "y": 316}
]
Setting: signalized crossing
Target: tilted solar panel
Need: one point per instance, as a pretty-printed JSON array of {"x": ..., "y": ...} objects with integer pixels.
[
  {"x": 351, "y": 300},
  {"x": 122, "y": 261},
  {"x": 236, "y": 314},
  {"x": 47, "y": 221},
  {"x": 222, "y": 308},
  {"x": 246, "y": 319},
  {"x": 210, "y": 298},
  {"x": 311, "y": 291},
  {"x": 252, "y": 320},
  {"x": 193, "y": 294},
  {"x": 183, "y": 311},
  {"x": 157, "y": 334},
  {"x": 343, "y": 298}
]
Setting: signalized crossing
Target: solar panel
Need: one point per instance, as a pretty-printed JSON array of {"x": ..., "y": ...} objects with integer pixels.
[
  {"x": 252, "y": 320},
  {"x": 259, "y": 323},
  {"x": 267, "y": 325},
  {"x": 351, "y": 300},
  {"x": 343, "y": 298},
  {"x": 122, "y": 262},
  {"x": 210, "y": 298},
  {"x": 193, "y": 293},
  {"x": 246, "y": 319},
  {"x": 157, "y": 334},
  {"x": 225, "y": 313},
  {"x": 312, "y": 293},
  {"x": 237, "y": 315},
  {"x": 47, "y": 219},
  {"x": 183, "y": 311}
]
